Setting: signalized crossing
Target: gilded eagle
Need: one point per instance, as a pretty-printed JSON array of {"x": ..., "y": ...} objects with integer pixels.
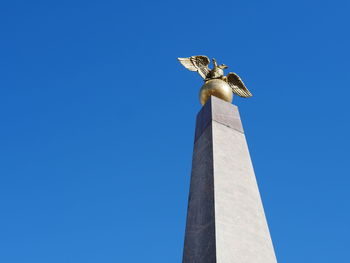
[{"x": 200, "y": 64}]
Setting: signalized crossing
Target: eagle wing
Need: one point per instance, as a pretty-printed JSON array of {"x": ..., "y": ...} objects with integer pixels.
[
  {"x": 237, "y": 85},
  {"x": 196, "y": 63}
]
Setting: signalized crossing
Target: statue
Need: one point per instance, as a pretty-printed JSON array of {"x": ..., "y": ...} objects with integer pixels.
[{"x": 216, "y": 84}]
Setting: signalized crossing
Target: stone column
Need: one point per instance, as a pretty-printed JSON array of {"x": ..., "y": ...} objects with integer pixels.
[{"x": 225, "y": 221}]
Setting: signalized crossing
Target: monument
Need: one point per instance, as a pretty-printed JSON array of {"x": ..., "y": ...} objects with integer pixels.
[{"x": 225, "y": 218}]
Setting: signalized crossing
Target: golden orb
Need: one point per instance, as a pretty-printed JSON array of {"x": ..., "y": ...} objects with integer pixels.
[{"x": 217, "y": 88}]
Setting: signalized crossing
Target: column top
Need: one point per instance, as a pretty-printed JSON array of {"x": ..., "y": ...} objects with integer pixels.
[{"x": 219, "y": 111}]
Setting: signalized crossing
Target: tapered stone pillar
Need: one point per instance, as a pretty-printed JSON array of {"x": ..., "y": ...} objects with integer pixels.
[{"x": 225, "y": 221}]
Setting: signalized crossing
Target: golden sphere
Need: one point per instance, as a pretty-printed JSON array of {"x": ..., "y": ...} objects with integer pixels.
[{"x": 217, "y": 88}]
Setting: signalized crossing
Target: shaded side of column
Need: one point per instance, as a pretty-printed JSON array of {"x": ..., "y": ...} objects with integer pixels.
[{"x": 200, "y": 227}]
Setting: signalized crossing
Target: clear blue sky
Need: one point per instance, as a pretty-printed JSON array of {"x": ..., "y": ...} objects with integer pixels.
[{"x": 97, "y": 124}]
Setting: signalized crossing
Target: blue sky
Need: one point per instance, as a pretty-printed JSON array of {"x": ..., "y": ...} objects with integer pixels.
[{"x": 97, "y": 124}]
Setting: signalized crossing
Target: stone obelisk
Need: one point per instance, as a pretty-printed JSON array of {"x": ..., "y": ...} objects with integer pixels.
[{"x": 225, "y": 221}]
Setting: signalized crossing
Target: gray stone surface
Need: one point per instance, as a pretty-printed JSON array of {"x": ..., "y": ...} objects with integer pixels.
[
  {"x": 225, "y": 221},
  {"x": 200, "y": 227},
  {"x": 215, "y": 110}
]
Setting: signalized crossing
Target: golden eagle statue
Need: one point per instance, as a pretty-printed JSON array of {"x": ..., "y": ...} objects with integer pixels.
[{"x": 214, "y": 79}]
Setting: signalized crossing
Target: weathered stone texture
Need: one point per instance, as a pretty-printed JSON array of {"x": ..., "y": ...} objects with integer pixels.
[{"x": 200, "y": 228}]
